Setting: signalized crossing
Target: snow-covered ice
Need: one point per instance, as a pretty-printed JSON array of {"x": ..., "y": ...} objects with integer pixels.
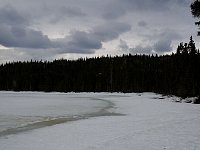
[
  {"x": 149, "y": 123},
  {"x": 30, "y": 110}
]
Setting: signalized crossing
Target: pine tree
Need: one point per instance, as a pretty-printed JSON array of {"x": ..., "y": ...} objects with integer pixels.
[{"x": 191, "y": 47}]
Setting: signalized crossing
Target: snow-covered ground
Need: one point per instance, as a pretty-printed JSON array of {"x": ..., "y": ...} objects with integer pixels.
[{"x": 149, "y": 122}]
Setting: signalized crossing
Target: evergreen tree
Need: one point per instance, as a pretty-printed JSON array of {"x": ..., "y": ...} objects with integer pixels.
[
  {"x": 191, "y": 47},
  {"x": 176, "y": 74},
  {"x": 195, "y": 9}
]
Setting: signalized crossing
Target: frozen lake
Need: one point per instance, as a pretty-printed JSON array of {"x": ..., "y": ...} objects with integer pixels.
[
  {"x": 42, "y": 121},
  {"x": 28, "y": 110}
]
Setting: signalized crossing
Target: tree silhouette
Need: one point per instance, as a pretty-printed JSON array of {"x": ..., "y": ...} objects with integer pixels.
[
  {"x": 191, "y": 47},
  {"x": 176, "y": 74},
  {"x": 195, "y": 9}
]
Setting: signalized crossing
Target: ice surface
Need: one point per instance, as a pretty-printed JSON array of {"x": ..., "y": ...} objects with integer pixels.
[
  {"x": 29, "y": 108},
  {"x": 150, "y": 123}
]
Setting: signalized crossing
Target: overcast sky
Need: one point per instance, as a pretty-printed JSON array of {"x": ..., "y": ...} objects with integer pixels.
[{"x": 53, "y": 29}]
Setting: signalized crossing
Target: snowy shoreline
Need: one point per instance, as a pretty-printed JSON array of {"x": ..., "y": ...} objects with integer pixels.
[{"x": 148, "y": 123}]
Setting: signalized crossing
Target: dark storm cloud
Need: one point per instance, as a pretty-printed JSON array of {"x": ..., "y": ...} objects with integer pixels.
[
  {"x": 22, "y": 37},
  {"x": 10, "y": 16},
  {"x": 15, "y": 31},
  {"x": 165, "y": 39},
  {"x": 163, "y": 45},
  {"x": 110, "y": 30},
  {"x": 88, "y": 42},
  {"x": 123, "y": 46},
  {"x": 79, "y": 42}
]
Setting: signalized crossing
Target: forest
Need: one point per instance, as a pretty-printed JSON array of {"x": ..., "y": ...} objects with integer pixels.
[{"x": 176, "y": 74}]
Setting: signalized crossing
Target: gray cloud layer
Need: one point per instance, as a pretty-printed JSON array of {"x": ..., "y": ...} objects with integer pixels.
[
  {"x": 162, "y": 45},
  {"x": 118, "y": 8},
  {"x": 77, "y": 26},
  {"x": 23, "y": 37},
  {"x": 10, "y": 16},
  {"x": 88, "y": 42},
  {"x": 15, "y": 32},
  {"x": 64, "y": 12}
]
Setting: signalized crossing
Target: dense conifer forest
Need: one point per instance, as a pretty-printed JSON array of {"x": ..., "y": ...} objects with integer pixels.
[{"x": 177, "y": 74}]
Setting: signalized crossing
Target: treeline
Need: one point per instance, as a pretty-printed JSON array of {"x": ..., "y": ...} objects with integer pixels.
[{"x": 177, "y": 74}]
